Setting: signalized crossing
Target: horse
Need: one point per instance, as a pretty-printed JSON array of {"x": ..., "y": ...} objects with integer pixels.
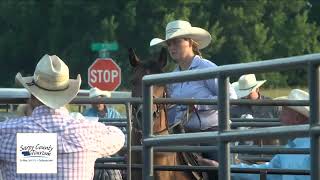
[{"x": 160, "y": 127}]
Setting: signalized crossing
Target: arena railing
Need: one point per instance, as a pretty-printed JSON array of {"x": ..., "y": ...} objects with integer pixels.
[
  {"x": 14, "y": 95},
  {"x": 20, "y": 97},
  {"x": 224, "y": 135},
  {"x": 17, "y": 96}
]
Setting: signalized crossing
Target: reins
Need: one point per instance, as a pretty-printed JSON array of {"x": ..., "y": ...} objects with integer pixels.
[{"x": 157, "y": 116}]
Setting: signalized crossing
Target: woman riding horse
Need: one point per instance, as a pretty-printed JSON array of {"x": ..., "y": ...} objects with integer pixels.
[
  {"x": 160, "y": 127},
  {"x": 184, "y": 43}
]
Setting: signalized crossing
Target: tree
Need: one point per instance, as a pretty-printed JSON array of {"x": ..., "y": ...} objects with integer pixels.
[
  {"x": 258, "y": 30},
  {"x": 242, "y": 31}
]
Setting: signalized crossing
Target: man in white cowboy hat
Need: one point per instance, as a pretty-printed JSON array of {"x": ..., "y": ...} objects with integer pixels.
[
  {"x": 289, "y": 115},
  {"x": 247, "y": 87},
  {"x": 80, "y": 142},
  {"x": 184, "y": 42},
  {"x": 101, "y": 110}
]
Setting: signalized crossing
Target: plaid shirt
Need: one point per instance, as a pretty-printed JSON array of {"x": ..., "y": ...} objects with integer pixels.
[{"x": 80, "y": 143}]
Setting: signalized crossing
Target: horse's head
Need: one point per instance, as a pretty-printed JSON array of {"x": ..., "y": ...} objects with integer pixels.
[{"x": 141, "y": 68}]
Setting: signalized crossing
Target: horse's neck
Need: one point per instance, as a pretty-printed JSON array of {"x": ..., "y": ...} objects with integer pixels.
[{"x": 160, "y": 126}]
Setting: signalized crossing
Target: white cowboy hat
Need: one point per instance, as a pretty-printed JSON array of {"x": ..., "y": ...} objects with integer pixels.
[
  {"x": 50, "y": 82},
  {"x": 79, "y": 116},
  {"x": 183, "y": 29},
  {"x": 94, "y": 92},
  {"x": 297, "y": 94},
  {"x": 246, "y": 84}
]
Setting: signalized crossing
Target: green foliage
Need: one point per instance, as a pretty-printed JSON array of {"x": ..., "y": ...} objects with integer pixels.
[{"x": 242, "y": 31}]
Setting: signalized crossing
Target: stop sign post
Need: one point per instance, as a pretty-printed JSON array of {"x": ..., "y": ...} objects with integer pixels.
[{"x": 104, "y": 74}]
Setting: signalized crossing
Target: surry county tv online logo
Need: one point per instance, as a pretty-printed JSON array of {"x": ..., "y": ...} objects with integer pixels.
[{"x": 36, "y": 153}]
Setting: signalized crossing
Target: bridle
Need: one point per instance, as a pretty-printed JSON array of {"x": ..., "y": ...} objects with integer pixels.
[{"x": 157, "y": 115}]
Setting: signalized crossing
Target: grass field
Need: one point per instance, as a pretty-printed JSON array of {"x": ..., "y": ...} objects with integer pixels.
[{"x": 278, "y": 92}]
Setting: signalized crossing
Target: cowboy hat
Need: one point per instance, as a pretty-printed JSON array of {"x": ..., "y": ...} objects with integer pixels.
[
  {"x": 246, "y": 84},
  {"x": 94, "y": 92},
  {"x": 79, "y": 116},
  {"x": 183, "y": 29},
  {"x": 297, "y": 94},
  {"x": 50, "y": 82}
]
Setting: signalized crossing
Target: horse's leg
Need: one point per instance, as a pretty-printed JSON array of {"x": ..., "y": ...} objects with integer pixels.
[
  {"x": 181, "y": 175},
  {"x": 164, "y": 159},
  {"x": 169, "y": 159}
]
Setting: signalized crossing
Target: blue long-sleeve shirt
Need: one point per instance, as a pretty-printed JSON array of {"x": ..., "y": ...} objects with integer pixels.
[
  {"x": 110, "y": 113},
  {"x": 283, "y": 161},
  {"x": 112, "y": 174},
  {"x": 202, "y": 89}
]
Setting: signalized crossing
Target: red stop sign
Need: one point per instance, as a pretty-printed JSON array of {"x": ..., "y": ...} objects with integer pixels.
[{"x": 104, "y": 74}]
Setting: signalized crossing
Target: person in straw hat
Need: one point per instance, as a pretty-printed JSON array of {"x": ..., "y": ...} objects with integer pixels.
[
  {"x": 101, "y": 110},
  {"x": 289, "y": 115},
  {"x": 80, "y": 142},
  {"x": 184, "y": 43},
  {"x": 248, "y": 87}
]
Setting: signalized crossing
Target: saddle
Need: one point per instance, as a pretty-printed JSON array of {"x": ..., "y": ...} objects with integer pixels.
[{"x": 188, "y": 158}]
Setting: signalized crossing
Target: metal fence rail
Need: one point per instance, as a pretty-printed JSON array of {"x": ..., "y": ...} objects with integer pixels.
[
  {"x": 9, "y": 95},
  {"x": 224, "y": 136},
  {"x": 21, "y": 95},
  {"x": 206, "y": 168},
  {"x": 233, "y": 149}
]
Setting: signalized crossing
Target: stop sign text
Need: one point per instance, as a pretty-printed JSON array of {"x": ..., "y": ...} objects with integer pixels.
[
  {"x": 104, "y": 74},
  {"x": 107, "y": 76}
]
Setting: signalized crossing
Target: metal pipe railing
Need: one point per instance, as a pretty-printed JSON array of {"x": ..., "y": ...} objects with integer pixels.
[
  {"x": 233, "y": 124},
  {"x": 224, "y": 125},
  {"x": 232, "y": 135},
  {"x": 7, "y": 96},
  {"x": 129, "y": 133},
  {"x": 207, "y": 168},
  {"x": 201, "y": 149},
  {"x": 224, "y": 135},
  {"x": 233, "y": 149},
  {"x": 314, "y": 83},
  {"x": 147, "y": 171},
  {"x": 274, "y": 65}
]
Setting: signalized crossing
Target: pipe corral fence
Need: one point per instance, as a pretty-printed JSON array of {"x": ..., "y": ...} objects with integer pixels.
[
  {"x": 224, "y": 136},
  {"x": 185, "y": 142},
  {"x": 12, "y": 95},
  {"x": 17, "y": 96}
]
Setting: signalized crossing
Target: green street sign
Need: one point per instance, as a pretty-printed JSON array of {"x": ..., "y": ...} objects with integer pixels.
[{"x": 113, "y": 46}]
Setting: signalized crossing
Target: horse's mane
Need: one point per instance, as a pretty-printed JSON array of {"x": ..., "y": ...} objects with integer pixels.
[{"x": 151, "y": 65}]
